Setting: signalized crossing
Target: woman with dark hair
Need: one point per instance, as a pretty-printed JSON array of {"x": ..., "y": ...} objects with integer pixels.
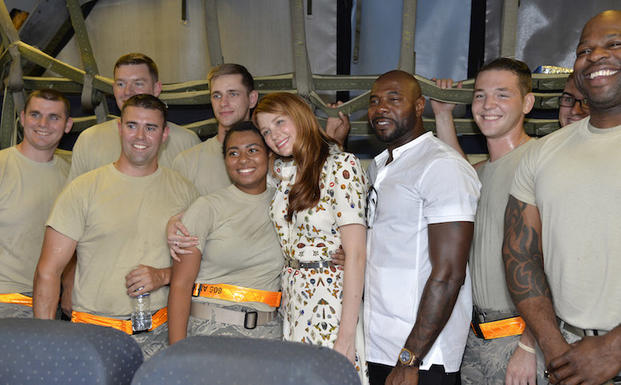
[
  {"x": 228, "y": 283},
  {"x": 319, "y": 206}
]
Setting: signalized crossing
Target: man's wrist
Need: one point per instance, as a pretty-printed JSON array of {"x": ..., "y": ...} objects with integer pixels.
[
  {"x": 526, "y": 348},
  {"x": 408, "y": 358},
  {"x": 166, "y": 273},
  {"x": 613, "y": 340}
]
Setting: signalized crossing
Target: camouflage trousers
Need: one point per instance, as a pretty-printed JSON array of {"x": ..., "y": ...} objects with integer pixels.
[
  {"x": 11, "y": 310},
  {"x": 152, "y": 342},
  {"x": 209, "y": 327},
  {"x": 485, "y": 361}
]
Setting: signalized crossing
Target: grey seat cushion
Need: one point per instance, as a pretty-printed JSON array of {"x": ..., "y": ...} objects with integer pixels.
[
  {"x": 230, "y": 360},
  {"x": 59, "y": 352}
]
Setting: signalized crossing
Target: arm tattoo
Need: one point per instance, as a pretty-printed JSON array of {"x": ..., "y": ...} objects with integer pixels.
[{"x": 523, "y": 256}]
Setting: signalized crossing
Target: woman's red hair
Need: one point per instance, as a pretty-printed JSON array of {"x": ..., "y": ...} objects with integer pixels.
[{"x": 310, "y": 150}]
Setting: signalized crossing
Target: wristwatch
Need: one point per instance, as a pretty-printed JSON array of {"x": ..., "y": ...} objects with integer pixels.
[{"x": 408, "y": 358}]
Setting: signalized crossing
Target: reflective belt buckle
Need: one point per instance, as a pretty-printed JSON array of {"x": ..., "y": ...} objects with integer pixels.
[
  {"x": 506, "y": 327},
  {"x": 250, "y": 320},
  {"x": 196, "y": 290},
  {"x": 476, "y": 329}
]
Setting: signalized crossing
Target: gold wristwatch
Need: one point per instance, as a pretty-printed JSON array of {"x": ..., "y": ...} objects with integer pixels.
[{"x": 408, "y": 358}]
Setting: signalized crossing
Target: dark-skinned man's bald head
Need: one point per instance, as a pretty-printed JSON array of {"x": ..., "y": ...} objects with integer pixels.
[
  {"x": 396, "y": 107},
  {"x": 596, "y": 70}
]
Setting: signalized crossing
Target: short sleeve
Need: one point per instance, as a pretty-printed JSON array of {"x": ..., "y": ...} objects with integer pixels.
[
  {"x": 179, "y": 165},
  {"x": 451, "y": 189},
  {"x": 79, "y": 156},
  {"x": 191, "y": 194},
  {"x": 523, "y": 187},
  {"x": 190, "y": 138},
  {"x": 199, "y": 220},
  {"x": 347, "y": 189},
  {"x": 68, "y": 215}
]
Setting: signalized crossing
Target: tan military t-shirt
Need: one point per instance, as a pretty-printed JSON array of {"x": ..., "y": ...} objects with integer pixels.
[
  {"x": 487, "y": 271},
  {"x": 27, "y": 192},
  {"x": 100, "y": 144},
  {"x": 119, "y": 222},
  {"x": 573, "y": 177},
  {"x": 238, "y": 241},
  {"x": 203, "y": 165}
]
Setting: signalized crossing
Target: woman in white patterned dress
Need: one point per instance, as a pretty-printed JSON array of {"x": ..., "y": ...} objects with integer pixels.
[{"x": 319, "y": 206}]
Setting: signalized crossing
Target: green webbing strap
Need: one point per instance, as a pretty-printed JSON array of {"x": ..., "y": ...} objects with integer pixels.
[
  {"x": 15, "y": 81},
  {"x": 508, "y": 38},
  {"x": 533, "y": 127},
  {"x": 214, "y": 46},
  {"x": 91, "y": 98},
  {"x": 407, "y": 58},
  {"x": 360, "y": 102},
  {"x": 197, "y": 91},
  {"x": 8, "y": 125},
  {"x": 9, "y": 33},
  {"x": 303, "y": 78},
  {"x": 358, "y": 23},
  {"x": 13, "y": 91},
  {"x": 549, "y": 82},
  {"x": 449, "y": 95},
  {"x": 83, "y": 122},
  {"x": 204, "y": 128},
  {"x": 75, "y": 74}
]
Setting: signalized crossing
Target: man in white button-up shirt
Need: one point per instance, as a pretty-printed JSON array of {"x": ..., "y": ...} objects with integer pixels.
[{"x": 421, "y": 211}]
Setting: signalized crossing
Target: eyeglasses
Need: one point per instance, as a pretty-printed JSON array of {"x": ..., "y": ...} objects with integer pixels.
[
  {"x": 371, "y": 205},
  {"x": 568, "y": 100}
]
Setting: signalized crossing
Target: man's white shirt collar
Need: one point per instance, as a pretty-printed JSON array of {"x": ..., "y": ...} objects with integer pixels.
[{"x": 380, "y": 160}]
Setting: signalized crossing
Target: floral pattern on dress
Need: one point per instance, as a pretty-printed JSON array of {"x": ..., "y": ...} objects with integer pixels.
[
  {"x": 312, "y": 298},
  {"x": 313, "y": 233}
]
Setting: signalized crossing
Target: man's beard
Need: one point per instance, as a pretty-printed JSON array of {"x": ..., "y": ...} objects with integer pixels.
[{"x": 400, "y": 129}]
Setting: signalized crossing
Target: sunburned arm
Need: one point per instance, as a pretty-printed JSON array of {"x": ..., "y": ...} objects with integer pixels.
[
  {"x": 523, "y": 258},
  {"x": 353, "y": 239},
  {"x": 56, "y": 253},
  {"x": 184, "y": 274},
  {"x": 449, "y": 245}
]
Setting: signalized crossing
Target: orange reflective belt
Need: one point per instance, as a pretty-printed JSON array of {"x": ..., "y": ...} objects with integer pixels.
[
  {"x": 236, "y": 293},
  {"x": 16, "y": 298},
  {"x": 502, "y": 328},
  {"x": 160, "y": 317}
]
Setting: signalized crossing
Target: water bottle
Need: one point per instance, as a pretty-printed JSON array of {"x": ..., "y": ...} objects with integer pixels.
[{"x": 141, "y": 316}]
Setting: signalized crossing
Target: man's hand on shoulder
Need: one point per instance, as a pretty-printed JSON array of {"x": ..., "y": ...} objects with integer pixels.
[
  {"x": 144, "y": 279},
  {"x": 592, "y": 360},
  {"x": 403, "y": 375}
]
